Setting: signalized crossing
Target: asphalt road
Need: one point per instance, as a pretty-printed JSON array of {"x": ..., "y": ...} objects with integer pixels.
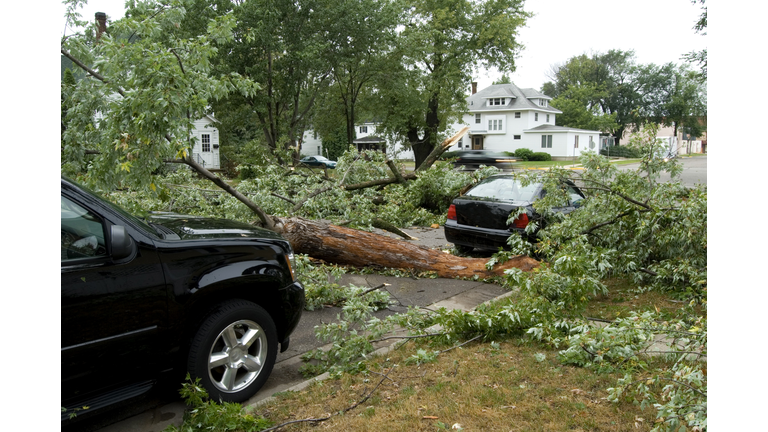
[{"x": 694, "y": 170}]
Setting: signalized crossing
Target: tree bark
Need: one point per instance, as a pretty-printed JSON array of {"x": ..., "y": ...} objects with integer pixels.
[{"x": 348, "y": 246}]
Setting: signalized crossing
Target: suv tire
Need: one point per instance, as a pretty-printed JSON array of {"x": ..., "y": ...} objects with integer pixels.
[{"x": 234, "y": 351}]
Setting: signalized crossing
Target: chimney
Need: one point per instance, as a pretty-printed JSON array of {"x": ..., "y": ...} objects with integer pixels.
[
  {"x": 474, "y": 87},
  {"x": 101, "y": 18}
]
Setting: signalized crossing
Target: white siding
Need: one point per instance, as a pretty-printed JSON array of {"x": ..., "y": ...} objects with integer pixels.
[{"x": 211, "y": 157}]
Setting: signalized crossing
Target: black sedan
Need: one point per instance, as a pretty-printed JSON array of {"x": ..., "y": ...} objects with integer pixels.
[
  {"x": 478, "y": 219},
  {"x": 166, "y": 295},
  {"x": 318, "y": 161},
  {"x": 474, "y": 159}
]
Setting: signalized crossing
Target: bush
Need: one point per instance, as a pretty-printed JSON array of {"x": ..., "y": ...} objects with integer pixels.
[
  {"x": 449, "y": 155},
  {"x": 249, "y": 171},
  {"x": 540, "y": 156},
  {"x": 620, "y": 151},
  {"x": 523, "y": 154}
]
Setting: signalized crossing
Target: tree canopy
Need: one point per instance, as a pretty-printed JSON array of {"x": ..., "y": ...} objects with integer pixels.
[
  {"x": 438, "y": 46},
  {"x": 612, "y": 93}
]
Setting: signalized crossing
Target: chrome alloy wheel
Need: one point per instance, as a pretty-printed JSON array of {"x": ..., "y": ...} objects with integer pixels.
[{"x": 237, "y": 356}]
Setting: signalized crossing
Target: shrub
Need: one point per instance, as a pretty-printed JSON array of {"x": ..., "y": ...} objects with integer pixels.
[
  {"x": 620, "y": 151},
  {"x": 449, "y": 155},
  {"x": 249, "y": 171},
  {"x": 540, "y": 156},
  {"x": 523, "y": 154}
]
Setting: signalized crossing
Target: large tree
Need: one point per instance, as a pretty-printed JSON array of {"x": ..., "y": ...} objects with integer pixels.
[
  {"x": 360, "y": 35},
  {"x": 439, "y": 45},
  {"x": 610, "y": 91}
]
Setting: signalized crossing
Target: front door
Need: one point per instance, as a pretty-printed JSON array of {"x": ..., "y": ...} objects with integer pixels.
[
  {"x": 206, "y": 151},
  {"x": 477, "y": 142}
]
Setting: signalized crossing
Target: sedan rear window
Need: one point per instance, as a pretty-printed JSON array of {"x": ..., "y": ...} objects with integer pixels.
[{"x": 504, "y": 188}]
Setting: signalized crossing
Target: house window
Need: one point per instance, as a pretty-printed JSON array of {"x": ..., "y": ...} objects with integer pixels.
[
  {"x": 205, "y": 139},
  {"x": 536, "y": 117},
  {"x": 517, "y": 115},
  {"x": 314, "y": 135},
  {"x": 543, "y": 102},
  {"x": 495, "y": 123},
  {"x": 517, "y": 137},
  {"x": 363, "y": 129},
  {"x": 477, "y": 118},
  {"x": 497, "y": 101},
  {"x": 547, "y": 118},
  {"x": 546, "y": 141},
  {"x": 318, "y": 150},
  {"x": 576, "y": 142},
  {"x": 591, "y": 142}
]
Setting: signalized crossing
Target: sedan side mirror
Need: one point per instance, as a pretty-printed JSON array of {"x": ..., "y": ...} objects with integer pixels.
[{"x": 122, "y": 243}]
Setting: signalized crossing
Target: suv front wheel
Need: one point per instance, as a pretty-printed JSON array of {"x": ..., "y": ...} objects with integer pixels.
[{"x": 234, "y": 351}]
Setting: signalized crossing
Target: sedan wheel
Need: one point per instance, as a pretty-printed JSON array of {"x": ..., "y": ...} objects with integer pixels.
[{"x": 234, "y": 351}]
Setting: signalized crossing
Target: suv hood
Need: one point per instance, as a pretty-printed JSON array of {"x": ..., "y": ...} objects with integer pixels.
[{"x": 189, "y": 227}]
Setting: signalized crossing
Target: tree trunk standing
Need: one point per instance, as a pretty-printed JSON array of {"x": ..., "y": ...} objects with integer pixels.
[
  {"x": 421, "y": 147},
  {"x": 346, "y": 246}
]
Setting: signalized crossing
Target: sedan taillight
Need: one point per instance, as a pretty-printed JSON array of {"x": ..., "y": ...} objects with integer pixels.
[
  {"x": 521, "y": 222},
  {"x": 452, "y": 212}
]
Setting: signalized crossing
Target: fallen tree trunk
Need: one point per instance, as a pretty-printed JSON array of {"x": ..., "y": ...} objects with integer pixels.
[{"x": 348, "y": 246}]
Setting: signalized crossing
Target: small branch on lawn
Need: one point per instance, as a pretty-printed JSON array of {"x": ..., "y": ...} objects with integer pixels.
[
  {"x": 461, "y": 345},
  {"x": 345, "y": 410},
  {"x": 408, "y": 337}
]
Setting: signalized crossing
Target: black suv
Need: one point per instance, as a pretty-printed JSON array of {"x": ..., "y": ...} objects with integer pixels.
[{"x": 168, "y": 293}]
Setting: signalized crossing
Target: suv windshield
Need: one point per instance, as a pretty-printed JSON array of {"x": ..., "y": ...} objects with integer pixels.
[
  {"x": 137, "y": 221},
  {"x": 504, "y": 188}
]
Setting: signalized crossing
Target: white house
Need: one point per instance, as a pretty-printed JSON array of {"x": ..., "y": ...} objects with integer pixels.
[
  {"x": 366, "y": 139},
  {"x": 206, "y": 149},
  {"x": 504, "y": 117}
]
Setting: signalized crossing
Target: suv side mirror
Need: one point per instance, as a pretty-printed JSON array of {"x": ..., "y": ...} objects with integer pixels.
[{"x": 122, "y": 243}]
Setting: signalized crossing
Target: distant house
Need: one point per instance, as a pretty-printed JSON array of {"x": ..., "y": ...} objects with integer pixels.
[
  {"x": 366, "y": 139},
  {"x": 206, "y": 148},
  {"x": 504, "y": 117},
  {"x": 683, "y": 143}
]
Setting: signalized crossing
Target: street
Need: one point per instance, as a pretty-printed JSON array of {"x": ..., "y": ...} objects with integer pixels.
[{"x": 694, "y": 170}]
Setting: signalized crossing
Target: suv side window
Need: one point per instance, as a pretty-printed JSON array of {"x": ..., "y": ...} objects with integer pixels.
[{"x": 82, "y": 232}]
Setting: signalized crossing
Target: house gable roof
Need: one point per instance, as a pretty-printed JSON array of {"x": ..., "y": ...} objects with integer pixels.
[{"x": 520, "y": 99}]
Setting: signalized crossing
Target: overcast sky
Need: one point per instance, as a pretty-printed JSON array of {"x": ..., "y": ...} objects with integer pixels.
[{"x": 659, "y": 31}]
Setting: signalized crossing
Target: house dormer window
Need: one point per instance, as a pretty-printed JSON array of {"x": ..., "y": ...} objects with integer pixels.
[
  {"x": 543, "y": 102},
  {"x": 497, "y": 101},
  {"x": 363, "y": 129}
]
